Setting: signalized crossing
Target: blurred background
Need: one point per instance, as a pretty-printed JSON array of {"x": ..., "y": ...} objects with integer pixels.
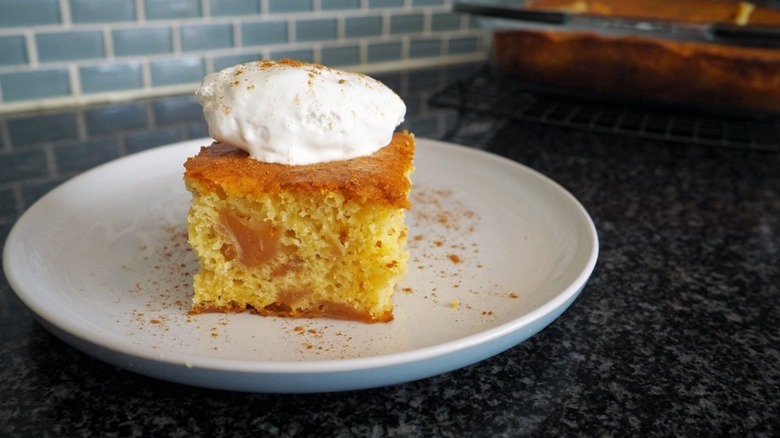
[{"x": 56, "y": 53}]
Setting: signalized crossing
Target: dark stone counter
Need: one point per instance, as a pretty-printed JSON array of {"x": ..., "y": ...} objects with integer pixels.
[{"x": 676, "y": 333}]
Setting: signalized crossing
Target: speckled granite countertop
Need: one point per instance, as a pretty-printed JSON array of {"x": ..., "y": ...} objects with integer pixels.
[{"x": 677, "y": 332}]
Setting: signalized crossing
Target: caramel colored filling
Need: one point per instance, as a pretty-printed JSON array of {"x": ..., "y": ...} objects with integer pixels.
[{"x": 253, "y": 243}]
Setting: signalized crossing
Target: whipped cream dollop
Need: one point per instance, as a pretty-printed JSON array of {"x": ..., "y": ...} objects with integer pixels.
[{"x": 294, "y": 113}]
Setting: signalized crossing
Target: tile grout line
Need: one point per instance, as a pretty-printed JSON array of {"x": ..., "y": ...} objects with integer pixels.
[
  {"x": 74, "y": 80},
  {"x": 362, "y": 52},
  {"x": 51, "y": 161},
  {"x": 146, "y": 74},
  {"x": 65, "y": 15},
  {"x": 32, "y": 48},
  {"x": 291, "y": 29},
  {"x": 237, "y": 34},
  {"x": 341, "y": 28},
  {"x": 81, "y": 125},
  {"x": 108, "y": 43},
  {"x": 176, "y": 39},
  {"x": 140, "y": 12}
]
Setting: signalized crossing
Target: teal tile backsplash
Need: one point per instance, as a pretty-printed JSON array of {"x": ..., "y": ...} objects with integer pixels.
[
  {"x": 305, "y": 55},
  {"x": 12, "y": 50},
  {"x": 385, "y": 52},
  {"x": 171, "y": 9},
  {"x": 27, "y": 163},
  {"x": 111, "y": 77},
  {"x": 104, "y": 120},
  {"x": 33, "y": 130},
  {"x": 103, "y": 11},
  {"x": 445, "y": 21},
  {"x": 206, "y": 37},
  {"x": 462, "y": 45},
  {"x": 222, "y": 8},
  {"x": 67, "y": 46},
  {"x": 142, "y": 140},
  {"x": 177, "y": 71},
  {"x": 85, "y": 154},
  {"x": 264, "y": 32},
  {"x": 281, "y": 6},
  {"x": 7, "y": 202},
  {"x": 35, "y": 84},
  {"x": 339, "y": 56},
  {"x": 222, "y": 62},
  {"x": 385, "y": 3},
  {"x": 332, "y": 5},
  {"x": 29, "y": 12},
  {"x": 363, "y": 26},
  {"x": 318, "y": 29},
  {"x": 60, "y": 53},
  {"x": 142, "y": 41},
  {"x": 425, "y": 48},
  {"x": 406, "y": 23},
  {"x": 177, "y": 109}
]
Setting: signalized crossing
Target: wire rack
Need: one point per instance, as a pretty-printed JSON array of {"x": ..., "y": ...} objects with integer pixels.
[{"x": 489, "y": 94}]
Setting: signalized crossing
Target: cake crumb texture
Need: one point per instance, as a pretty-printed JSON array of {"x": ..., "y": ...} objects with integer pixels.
[{"x": 320, "y": 240}]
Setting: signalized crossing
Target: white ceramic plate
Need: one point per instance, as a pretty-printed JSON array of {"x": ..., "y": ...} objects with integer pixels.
[{"x": 498, "y": 251}]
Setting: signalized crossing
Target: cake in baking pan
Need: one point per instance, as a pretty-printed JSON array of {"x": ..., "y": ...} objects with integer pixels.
[{"x": 649, "y": 68}]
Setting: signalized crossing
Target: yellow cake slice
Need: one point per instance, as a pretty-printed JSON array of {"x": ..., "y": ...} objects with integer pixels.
[{"x": 317, "y": 240}]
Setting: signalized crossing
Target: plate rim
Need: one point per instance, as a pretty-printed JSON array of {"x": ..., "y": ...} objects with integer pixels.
[{"x": 316, "y": 366}]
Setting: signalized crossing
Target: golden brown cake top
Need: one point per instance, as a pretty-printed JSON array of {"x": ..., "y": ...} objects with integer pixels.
[
  {"x": 688, "y": 11},
  {"x": 381, "y": 177}
]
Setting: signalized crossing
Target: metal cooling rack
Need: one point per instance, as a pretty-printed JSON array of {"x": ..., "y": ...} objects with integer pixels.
[{"x": 489, "y": 94}]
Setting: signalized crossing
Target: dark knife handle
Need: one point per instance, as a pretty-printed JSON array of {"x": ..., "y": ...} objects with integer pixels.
[
  {"x": 750, "y": 35},
  {"x": 510, "y": 13}
]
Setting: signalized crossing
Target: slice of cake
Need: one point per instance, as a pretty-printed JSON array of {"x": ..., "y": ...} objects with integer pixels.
[{"x": 323, "y": 238}]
